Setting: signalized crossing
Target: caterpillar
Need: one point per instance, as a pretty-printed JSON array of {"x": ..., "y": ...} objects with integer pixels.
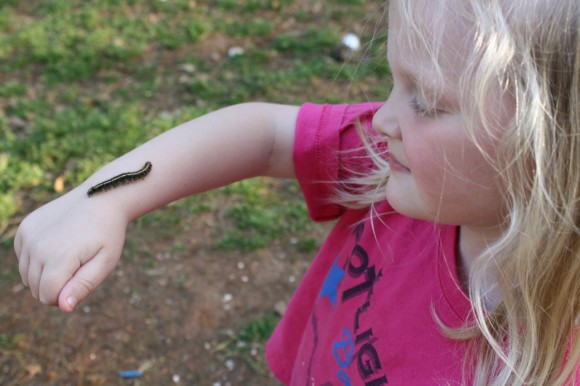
[{"x": 121, "y": 179}]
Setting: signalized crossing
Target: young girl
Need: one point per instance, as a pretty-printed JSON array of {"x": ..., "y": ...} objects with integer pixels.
[{"x": 458, "y": 261}]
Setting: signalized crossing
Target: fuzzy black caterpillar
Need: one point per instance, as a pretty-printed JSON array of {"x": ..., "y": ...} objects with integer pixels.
[{"x": 121, "y": 179}]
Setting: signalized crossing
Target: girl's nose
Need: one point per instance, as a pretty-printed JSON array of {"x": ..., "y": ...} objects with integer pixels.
[{"x": 385, "y": 121}]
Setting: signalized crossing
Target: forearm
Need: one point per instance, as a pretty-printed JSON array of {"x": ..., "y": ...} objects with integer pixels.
[
  {"x": 68, "y": 247},
  {"x": 214, "y": 150}
]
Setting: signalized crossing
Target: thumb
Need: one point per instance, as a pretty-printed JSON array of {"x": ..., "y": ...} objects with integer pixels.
[{"x": 85, "y": 280}]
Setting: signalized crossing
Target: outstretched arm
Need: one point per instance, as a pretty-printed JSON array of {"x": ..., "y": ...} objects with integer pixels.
[{"x": 69, "y": 246}]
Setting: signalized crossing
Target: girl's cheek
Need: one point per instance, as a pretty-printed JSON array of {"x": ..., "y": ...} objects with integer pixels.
[{"x": 422, "y": 154}]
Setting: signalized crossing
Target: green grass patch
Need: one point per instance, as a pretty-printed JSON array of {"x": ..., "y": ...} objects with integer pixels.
[
  {"x": 10, "y": 341},
  {"x": 83, "y": 82},
  {"x": 75, "y": 40},
  {"x": 248, "y": 342},
  {"x": 260, "y": 216}
]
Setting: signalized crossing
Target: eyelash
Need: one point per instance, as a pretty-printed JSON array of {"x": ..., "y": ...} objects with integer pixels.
[{"x": 422, "y": 110}]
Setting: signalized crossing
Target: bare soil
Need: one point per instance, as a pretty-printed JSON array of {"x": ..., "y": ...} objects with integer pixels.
[{"x": 171, "y": 314}]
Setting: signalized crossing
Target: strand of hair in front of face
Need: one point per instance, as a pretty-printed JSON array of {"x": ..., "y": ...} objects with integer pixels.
[{"x": 121, "y": 179}]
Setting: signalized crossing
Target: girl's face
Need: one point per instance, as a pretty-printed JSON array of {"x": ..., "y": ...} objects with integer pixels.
[{"x": 437, "y": 172}]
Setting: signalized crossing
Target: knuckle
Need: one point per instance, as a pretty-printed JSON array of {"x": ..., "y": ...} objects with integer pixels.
[{"x": 86, "y": 285}]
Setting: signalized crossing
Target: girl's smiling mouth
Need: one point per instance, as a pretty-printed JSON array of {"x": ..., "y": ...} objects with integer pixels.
[{"x": 396, "y": 165}]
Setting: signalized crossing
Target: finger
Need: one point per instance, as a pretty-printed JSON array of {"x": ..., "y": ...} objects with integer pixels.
[
  {"x": 34, "y": 274},
  {"x": 23, "y": 264},
  {"x": 83, "y": 283},
  {"x": 51, "y": 283}
]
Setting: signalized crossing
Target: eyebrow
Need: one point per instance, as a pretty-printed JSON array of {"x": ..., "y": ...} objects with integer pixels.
[
  {"x": 436, "y": 91},
  {"x": 409, "y": 74}
]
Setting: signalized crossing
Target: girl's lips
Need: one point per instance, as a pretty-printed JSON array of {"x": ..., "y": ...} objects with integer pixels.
[{"x": 397, "y": 166}]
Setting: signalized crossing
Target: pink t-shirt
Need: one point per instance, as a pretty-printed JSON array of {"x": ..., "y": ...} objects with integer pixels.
[{"x": 363, "y": 313}]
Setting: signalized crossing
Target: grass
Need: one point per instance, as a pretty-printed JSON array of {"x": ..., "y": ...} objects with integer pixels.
[
  {"x": 83, "y": 82},
  {"x": 259, "y": 214},
  {"x": 248, "y": 342}
]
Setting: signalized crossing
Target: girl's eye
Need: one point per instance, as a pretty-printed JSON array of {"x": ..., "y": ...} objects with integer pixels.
[{"x": 422, "y": 110}]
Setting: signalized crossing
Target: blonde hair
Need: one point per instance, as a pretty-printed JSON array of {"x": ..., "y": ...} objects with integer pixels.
[{"x": 531, "y": 50}]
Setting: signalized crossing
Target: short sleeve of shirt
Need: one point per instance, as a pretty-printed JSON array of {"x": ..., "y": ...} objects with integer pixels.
[{"x": 326, "y": 137}]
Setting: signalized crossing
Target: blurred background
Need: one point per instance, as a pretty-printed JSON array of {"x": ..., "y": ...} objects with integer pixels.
[{"x": 202, "y": 282}]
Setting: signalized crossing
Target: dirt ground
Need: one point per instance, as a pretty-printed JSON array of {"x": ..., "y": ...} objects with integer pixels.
[{"x": 174, "y": 317}]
